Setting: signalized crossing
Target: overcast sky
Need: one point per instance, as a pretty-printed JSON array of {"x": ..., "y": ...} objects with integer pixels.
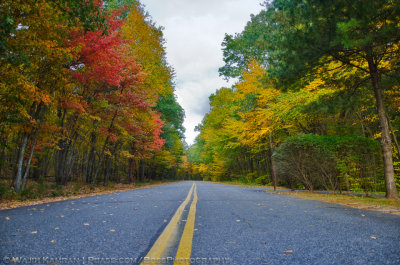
[{"x": 194, "y": 31}]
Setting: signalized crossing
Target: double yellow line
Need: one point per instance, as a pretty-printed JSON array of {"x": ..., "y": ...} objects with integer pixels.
[{"x": 166, "y": 238}]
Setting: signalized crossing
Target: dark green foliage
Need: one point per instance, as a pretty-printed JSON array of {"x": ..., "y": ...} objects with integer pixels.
[
  {"x": 329, "y": 162},
  {"x": 173, "y": 116},
  {"x": 240, "y": 49},
  {"x": 350, "y": 45},
  {"x": 3, "y": 190}
]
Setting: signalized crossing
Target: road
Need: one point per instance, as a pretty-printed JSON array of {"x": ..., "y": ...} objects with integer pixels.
[{"x": 201, "y": 222}]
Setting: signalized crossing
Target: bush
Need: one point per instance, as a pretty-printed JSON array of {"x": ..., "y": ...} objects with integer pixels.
[
  {"x": 325, "y": 161},
  {"x": 29, "y": 192},
  {"x": 263, "y": 180},
  {"x": 250, "y": 177},
  {"x": 3, "y": 190}
]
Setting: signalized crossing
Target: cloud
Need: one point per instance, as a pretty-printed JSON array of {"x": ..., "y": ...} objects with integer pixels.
[{"x": 194, "y": 31}]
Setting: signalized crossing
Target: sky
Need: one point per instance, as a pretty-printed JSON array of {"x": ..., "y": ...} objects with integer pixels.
[{"x": 194, "y": 31}]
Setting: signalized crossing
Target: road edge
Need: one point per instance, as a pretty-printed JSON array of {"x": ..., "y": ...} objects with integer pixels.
[{"x": 18, "y": 204}]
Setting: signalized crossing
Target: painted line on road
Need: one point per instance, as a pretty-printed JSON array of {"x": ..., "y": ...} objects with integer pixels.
[
  {"x": 185, "y": 244},
  {"x": 154, "y": 254}
]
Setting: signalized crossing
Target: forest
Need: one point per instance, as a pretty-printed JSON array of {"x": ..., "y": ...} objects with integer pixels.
[
  {"x": 316, "y": 103},
  {"x": 86, "y": 95}
]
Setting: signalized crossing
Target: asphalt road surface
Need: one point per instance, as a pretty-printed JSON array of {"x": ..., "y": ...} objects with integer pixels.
[{"x": 197, "y": 223}]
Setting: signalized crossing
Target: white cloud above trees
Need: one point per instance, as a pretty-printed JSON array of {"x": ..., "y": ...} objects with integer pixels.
[{"x": 194, "y": 31}]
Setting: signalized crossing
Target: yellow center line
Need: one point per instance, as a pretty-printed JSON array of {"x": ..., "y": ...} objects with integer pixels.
[
  {"x": 185, "y": 245},
  {"x": 154, "y": 254}
]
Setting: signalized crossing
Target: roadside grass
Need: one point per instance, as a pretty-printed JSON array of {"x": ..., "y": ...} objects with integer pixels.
[
  {"x": 45, "y": 192},
  {"x": 249, "y": 185},
  {"x": 360, "y": 202}
]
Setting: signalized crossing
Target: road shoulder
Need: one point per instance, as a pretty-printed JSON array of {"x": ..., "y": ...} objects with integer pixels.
[{"x": 11, "y": 204}]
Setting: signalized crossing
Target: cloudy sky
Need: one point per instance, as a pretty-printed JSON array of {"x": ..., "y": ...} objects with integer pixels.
[{"x": 194, "y": 31}]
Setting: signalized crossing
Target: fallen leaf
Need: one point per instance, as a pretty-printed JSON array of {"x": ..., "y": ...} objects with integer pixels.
[
  {"x": 112, "y": 230},
  {"x": 288, "y": 252},
  {"x": 34, "y": 232}
]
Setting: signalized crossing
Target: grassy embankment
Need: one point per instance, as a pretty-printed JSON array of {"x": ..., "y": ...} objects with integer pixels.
[
  {"x": 44, "y": 192},
  {"x": 374, "y": 203}
]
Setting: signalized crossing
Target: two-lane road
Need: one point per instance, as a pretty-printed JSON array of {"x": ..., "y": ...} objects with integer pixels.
[{"x": 201, "y": 222}]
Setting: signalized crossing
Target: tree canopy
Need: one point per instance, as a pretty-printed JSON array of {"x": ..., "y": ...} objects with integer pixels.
[
  {"x": 86, "y": 94},
  {"x": 307, "y": 67}
]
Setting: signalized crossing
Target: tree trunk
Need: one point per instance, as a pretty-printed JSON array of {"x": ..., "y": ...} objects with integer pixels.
[
  {"x": 69, "y": 158},
  {"x": 107, "y": 171},
  {"x": 108, "y": 165},
  {"x": 99, "y": 165},
  {"x": 141, "y": 171},
  {"x": 386, "y": 141},
  {"x": 91, "y": 158},
  {"x": 28, "y": 165},
  {"x": 104, "y": 148},
  {"x": 21, "y": 162},
  {"x": 131, "y": 163},
  {"x": 272, "y": 146}
]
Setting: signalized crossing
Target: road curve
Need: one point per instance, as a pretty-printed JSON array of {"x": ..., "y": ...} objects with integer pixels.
[{"x": 197, "y": 223}]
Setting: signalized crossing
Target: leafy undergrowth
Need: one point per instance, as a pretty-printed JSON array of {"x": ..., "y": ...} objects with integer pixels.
[
  {"x": 249, "y": 185},
  {"x": 37, "y": 193},
  {"x": 359, "y": 202}
]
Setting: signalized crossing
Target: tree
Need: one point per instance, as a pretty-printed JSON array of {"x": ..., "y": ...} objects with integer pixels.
[
  {"x": 298, "y": 37},
  {"x": 361, "y": 35},
  {"x": 32, "y": 70},
  {"x": 85, "y": 86}
]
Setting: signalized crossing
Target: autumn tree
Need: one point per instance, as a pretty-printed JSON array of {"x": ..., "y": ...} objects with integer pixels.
[
  {"x": 295, "y": 38},
  {"x": 91, "y": 93},
  {"x": 33, "y": 69}
]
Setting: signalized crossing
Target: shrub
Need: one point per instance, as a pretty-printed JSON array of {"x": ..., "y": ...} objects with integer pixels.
[
  {"x": 323, "y": 161},
  {"x": 263, "y": 180},
  {"x": 3, "y": 190}
]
